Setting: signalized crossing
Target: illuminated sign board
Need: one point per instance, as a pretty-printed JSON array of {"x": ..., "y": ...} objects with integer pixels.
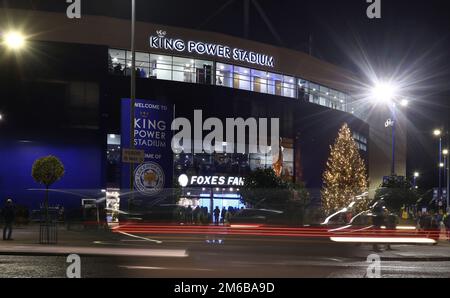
[
  {"x": 184, "y": 180},
  {"x": 160, "y": 41}
]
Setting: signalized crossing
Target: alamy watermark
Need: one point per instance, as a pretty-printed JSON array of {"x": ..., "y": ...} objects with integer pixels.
[
  {"x": 374, "y": 269},
  {"x": 236, "y": 139},
  {"x": 74, "y": 268},
  {"x": 374, "y": 9},
  {"x": 74, "y": 9}
]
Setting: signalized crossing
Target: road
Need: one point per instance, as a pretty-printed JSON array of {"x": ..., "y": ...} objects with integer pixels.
[{"x": 225, "y": 256}]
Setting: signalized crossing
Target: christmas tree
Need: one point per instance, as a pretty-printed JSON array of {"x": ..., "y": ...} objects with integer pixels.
[{"x": 345, "y": 175}]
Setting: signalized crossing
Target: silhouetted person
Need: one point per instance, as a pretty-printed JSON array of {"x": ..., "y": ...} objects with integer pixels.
[
  {"x": 196, "y": 215},
  {"x": 8, "y": 215},
  {"x": 447, "y": 225},
  {"x": 189, "y": 214},
  {"x": 378, "y": 221},
  {"x": 216, "y": 215},
  {"x": 391, "y": 227},
  {"x": 118, "y": 69},
  {"x": 222, "y": 215}
]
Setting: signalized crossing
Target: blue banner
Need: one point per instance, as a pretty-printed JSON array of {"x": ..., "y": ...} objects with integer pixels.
[{"x": 153, "y": 135}]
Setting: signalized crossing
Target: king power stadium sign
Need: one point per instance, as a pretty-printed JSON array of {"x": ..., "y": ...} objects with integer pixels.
[{"x": 160, "y": 41}]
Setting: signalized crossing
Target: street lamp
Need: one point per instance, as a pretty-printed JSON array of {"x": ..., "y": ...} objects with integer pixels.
[
  {"x": 445, "y": 152},
  {"x": 386, "y": 93},
  {"x": 133, "y": 92},
  {"x": 14, "y": 40},
  {"x": 438, "y": 133},
  {"x": 415, "y": 176}
]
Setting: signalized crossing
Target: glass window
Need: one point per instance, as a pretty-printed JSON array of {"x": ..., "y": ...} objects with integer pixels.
[
  {"x": 161, "y": 67},
  {"x": 303, "y": 90},
  {"x": 288, "y": 163},
  {"x": 224, "y": 75},
  {"x": 314, "y": 93},
  {"x": 275, "y": 84},
  {"x": 204, "y": 71},
  {"x": 324, "y": 93},
  {"x": 242, "y": 78},
  {"x": 183, "y": 70},
  {"x": 289, "y": 87},
  {"x": 259, "y": 81},
  {"x": 116, "y": 61},
  {"x": 142, "y": 65}
]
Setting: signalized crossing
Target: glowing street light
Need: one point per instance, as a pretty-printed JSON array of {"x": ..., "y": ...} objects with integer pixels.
[
  {"x": 438, "y": 134},
  {"x": 445, "y": 152},
  {"x": 387, "y": 93},
  {"x": 415, "y": 176},
  {"x": 404, "y": 103},
  {"x": 384, "y": 92},
  {"x": 14, "y": 40}
]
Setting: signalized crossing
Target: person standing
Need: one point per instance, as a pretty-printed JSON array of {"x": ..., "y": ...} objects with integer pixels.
[
  {"x": 391, "y": 227},
  {"x": 447, "y": 225},
  {"x": 189, "y": 215},
  {"x": 216, "y": 215},
  {"x": 8, "y": 215},
  {"x": 222, "y": 215},
  {"x": 377, "y": 222}
]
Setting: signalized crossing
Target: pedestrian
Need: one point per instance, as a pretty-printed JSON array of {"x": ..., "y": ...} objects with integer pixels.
[
  {"x": 196, "y": 215},
  {"x": 223, "y": 214},
  {"x": 435, "y": 227},
  {"x": 447, "y": 225},
  {"x": 9, "y": 215},
  {"x": 391, "y": 226},
  {"x": 378, "y": 221},
  {"x": 189, "y": 214},
  {"x": 216, "y": 215}
]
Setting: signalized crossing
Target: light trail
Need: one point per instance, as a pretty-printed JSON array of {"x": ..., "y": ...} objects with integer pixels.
[
  {"x": 383, "y": 240},
  {"x": 402, "y": 234}
]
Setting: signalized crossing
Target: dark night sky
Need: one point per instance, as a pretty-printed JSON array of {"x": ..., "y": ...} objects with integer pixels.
[{"x": 412, "y": 38}]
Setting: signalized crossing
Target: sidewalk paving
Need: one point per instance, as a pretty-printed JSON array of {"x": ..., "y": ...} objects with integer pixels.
[
  {"x": 93, "y": 242},
  {"x": 418, "y": 252}
]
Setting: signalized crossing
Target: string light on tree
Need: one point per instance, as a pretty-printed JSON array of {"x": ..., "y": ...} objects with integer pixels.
[{"x": 345, "y": 176}]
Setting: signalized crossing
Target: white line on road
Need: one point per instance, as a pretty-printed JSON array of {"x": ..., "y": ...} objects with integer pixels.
[
  {"x": 162, "y": 268},
  {"x": 141, "y": 238}
]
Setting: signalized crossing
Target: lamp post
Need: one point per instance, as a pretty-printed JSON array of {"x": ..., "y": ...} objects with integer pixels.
[
  {"x": 438, "y": 133},
  {"x": 415, "y": 176},
  {"x": 445, "y": 152},
  {"x": 386, "y": 93},
  {"x": 133, "y": 93}
]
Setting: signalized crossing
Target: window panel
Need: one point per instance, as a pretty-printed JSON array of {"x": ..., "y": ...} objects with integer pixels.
[
  {"x": 117, "y": 61},
  {"x": 224, "y": 75},
  {"x": 183, "y": 70},
  {"x": 259, "y": 81},
  {"x": 275, "y": 84},
  {"x": 289, "y": 87},
  {"x": 204, "y": 71},
  {"x": 161, "y": 67},
  {"x": 242, "y": 78}
]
